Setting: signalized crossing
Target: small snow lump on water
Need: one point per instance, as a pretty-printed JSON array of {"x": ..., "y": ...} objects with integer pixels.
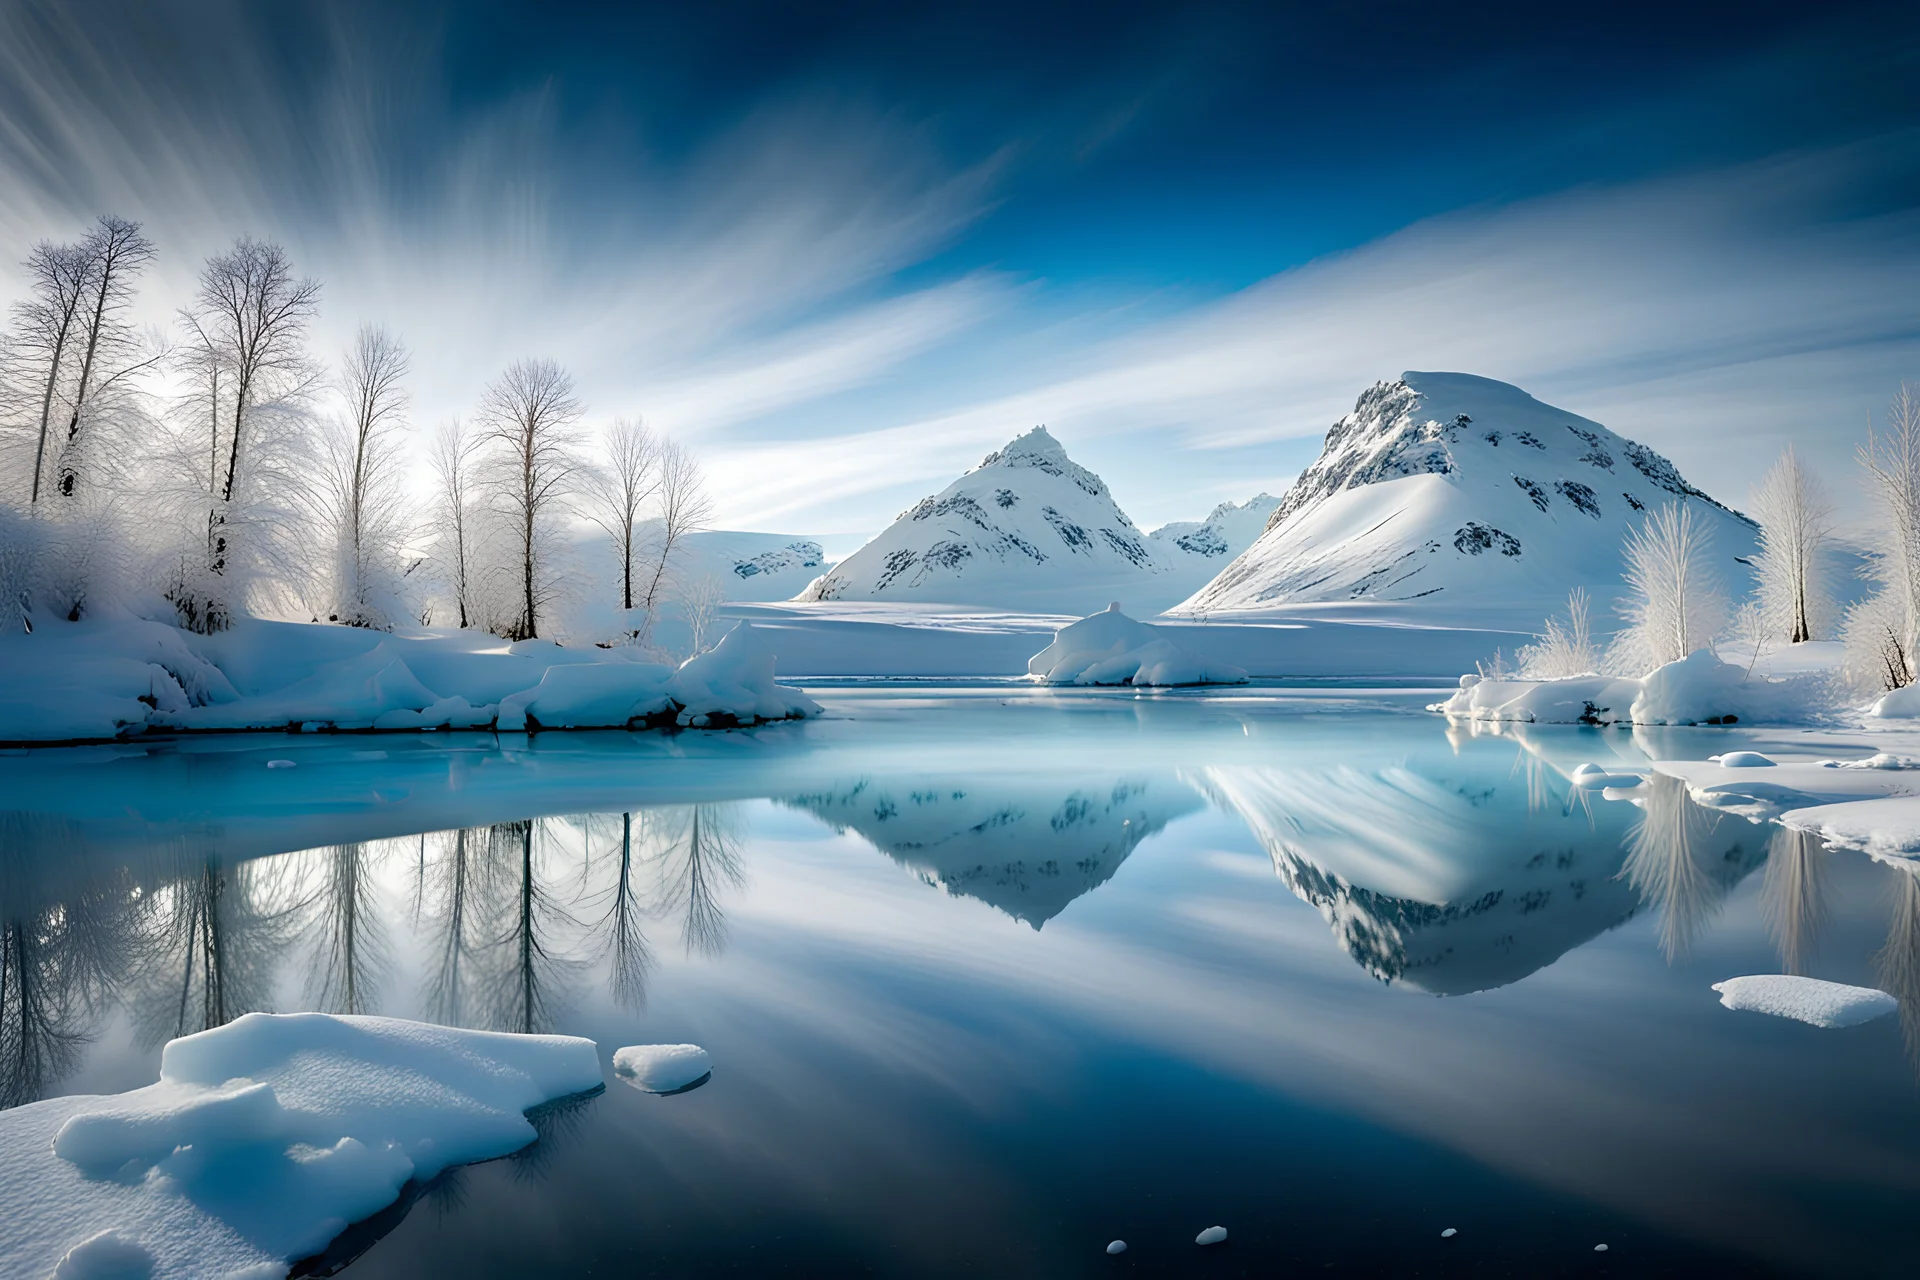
[
  {"x": 1449, "y": 1232},
  {"x": 1810, "y": 1000},
  {"x": 1212, "y": 1235},
  {"x": 662, "y": 1068},
  {"x": 1117, "y": 1246}
]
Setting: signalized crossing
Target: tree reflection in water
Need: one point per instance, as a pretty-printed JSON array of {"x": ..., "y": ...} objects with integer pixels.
[
  {"x": 1680, "y": 863},
  {"x": 353, "y": 951},
  {"x": 1898, "y": 961},
  {"x": 222, "y": 931},
  {"x": 1793, "y": 895},
  {"x": 700, "y": 858}
]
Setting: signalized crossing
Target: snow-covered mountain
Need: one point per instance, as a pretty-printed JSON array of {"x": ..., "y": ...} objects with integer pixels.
[
  {"x": 1031, "y": 529},
  {"x": 754, "y": 566},
  {"x": 1224, "y": 534},
  {"x": 1464, "y": 491}
]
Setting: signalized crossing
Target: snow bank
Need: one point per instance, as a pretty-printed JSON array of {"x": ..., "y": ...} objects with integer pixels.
[
  {"x": 107, "y": 679},
  {"x": 264, "y": 1139},
  {"x": 1824, "y": 1004},
  {"x": 1111, "y": 648},
  {"x": 1871, "y": 805},
  {"x": 1698, "y": 689},
  {"x": 662, "y": 1068}
]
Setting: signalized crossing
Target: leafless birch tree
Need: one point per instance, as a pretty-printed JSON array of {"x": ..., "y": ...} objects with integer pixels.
[
  {"x": 370, "y": 524},
  {"x": 112, "y": 257},
  {"x": 1892, "y": 462},
  {"x": 527, "y": 415},
  {"x": 684, "y": 509},
  {"x": 621, "y": 491},
  {"x": 46, "y": 325},
  {"x": 250, "y": 323},
  {"x": 456, "y": 453},
  {"x": 1795, "y": 525}
]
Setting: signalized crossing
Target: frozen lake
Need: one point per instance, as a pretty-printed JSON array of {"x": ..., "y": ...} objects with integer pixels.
[{"x": 991, "y": 976}]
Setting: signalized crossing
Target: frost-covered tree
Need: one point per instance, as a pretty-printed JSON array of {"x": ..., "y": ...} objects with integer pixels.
[
  {"x": 620, "y": 491},
  {"x": 249, "y": 328},
  {"x": 455, "y": 457},
  {"x": 1564, "y": 649},
  {"x": 1676, "y": 605},
  {"x": 1795, "y": 525},
  {"x": 683, "y": 509},
  {"x": 1878, "y": 656},
  {"x": 1887, "y": 625},
  {"x": 46, "y": 326},
  {"x": 366, "y": 491},
  {"x": 110, "y": 351},
  {"x": 527, "y": 416}
]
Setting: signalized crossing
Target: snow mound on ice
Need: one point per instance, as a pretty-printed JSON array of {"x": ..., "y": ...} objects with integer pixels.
[
  {"x": 1824, "y": 1004},
  {"x": 1028, "y": 527},
  {"x": 1899, "y": 704},
  {"x": 318, "y": 677},
  {"x": 662, "y": 1068},
  {"x": 1445, "y": 486},
  {"x": 1697, "y": 689},
  {"x": 1744, "y": 760},
  {"x": 1212, "y": 1235},
  {"x": 265, "y": 1138},
  {"x": 1110, "y": 648}
]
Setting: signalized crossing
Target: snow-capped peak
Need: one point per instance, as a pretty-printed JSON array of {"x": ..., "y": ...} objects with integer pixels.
[
  {"x": 1464, "y": 488},
  {"x": 1028, "y": 528}
]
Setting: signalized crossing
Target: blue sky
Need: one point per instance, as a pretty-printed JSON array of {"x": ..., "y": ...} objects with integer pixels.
[{"x": 845, "y": 250}]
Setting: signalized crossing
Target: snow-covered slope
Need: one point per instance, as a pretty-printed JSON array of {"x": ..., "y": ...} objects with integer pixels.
[
  {"x": 754, "y": 566},
  {"x": 1454, "y": 489},
  {"x": 1028, "y": 529}
]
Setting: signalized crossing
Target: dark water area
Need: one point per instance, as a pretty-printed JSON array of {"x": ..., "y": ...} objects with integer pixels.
[{"x": 993, "y": 976}]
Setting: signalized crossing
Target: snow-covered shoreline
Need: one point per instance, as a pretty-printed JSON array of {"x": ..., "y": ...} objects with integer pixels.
[{"x": 109, "y": 679}]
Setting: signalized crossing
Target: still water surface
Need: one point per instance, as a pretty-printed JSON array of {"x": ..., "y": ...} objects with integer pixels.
[{"x": 992, "y": 976}]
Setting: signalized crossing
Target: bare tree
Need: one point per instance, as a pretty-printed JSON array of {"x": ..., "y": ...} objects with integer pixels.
[
  {"x": 1892, "y": 462},
  {"x": 114, "y": 254},
  {"x": 250, "y": 322},
  {"x": 528, "y": 414},
  {"x": 1564, "y": 649},
  {"x": 368, "y": 501},
  {"x": 620, "y": 493},
  {"x": 1677, "y": 605},
  {"x": 1795, "y": 525},
  {"x": 46, "y": 323},
  {"x": 684, "y": 509},
  {"x": 455, "y": 455}
]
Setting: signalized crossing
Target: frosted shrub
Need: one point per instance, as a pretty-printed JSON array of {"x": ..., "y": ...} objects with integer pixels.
[
  {"x": 1564, "y": 649},
  {"x": 1676, "y": 605},
  {"x": 1879, "y": 657}
]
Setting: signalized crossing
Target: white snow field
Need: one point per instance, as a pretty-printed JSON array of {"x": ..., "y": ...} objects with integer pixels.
[
  {"x": 263, "y": 1140},
  {"x": 662, "y": 1068},
  {"x": 1030, "y": 529},
  {"x": 1810, "y": 1000},
  {"x": 108, "y": 677},
  {"x": 1697, "y": 689},
  {"x": 1110, "y": 648},
  {"x": 1450, "y": 488}
]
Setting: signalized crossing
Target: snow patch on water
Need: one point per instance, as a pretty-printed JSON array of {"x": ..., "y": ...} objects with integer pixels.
[{"x": 1823, "y": 1004}]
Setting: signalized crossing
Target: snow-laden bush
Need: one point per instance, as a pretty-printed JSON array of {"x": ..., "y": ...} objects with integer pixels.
[
  {"x": 1676, "y": 604},
  {"x": 1564, "y": 649}
]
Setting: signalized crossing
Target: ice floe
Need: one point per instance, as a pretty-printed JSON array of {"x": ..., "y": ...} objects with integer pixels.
[
  {"x": 1811, "y": 1000},
  {"x": 263, "y": 1139},
  {"x": 662, "y": 1068},
  {"x": 1110, "y": 648},
  {"x": 1212, "y": 1235}
]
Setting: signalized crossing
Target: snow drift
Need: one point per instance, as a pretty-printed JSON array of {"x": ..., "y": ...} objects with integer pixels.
[
  {"x": 1444, "y": 487},
  {"x": 264, "y": 1139},
  {"x": 1110, "y": 648},
  {"x": 105, "y": 678},
  {"x": 1698, "y": 689}
]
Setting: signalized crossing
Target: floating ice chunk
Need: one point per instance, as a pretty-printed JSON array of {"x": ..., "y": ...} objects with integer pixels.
[
  {"x": 1117, "y": 1246},
  {"x": 1448, "y": 1233},
  {"x": 107, "y": 1256},
  {"x": 279, "y": 764},
  {"x": 662, "y": 1068},
  {"x": 1593, "y": 777},
  {"x": 263, "y": 1139},
  {"x": 1599, "y": 1248},
  {"x": 1745, "y": 760},
  {"x": 1212, "y": 1235},
  {"x": 1824, "y": 1004},
  {"x": 1111, "y": 648}
]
